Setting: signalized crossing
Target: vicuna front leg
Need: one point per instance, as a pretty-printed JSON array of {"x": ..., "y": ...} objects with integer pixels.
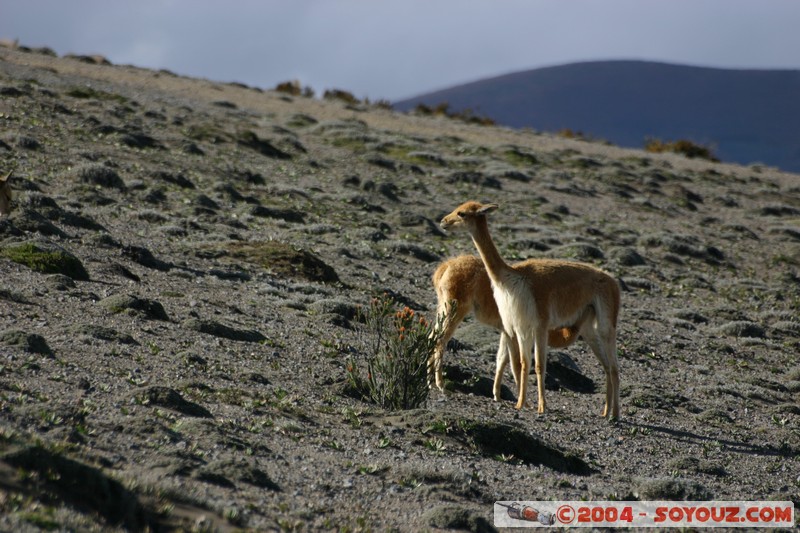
[
  {"x": 539, "y": 346},
  {"x": 506, "y": 351},
  {"x": 524, "y": 344}
]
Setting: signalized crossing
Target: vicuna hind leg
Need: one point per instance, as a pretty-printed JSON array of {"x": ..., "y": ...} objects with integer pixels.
[
  {"x": 601, "y": 338},
  {"x": 448, "y": 328}
]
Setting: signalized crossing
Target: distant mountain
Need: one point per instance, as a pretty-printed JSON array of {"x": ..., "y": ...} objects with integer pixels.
[{"x": 745, "y": 116}]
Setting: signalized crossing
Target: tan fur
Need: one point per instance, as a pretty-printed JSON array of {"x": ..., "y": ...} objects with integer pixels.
[
  {"x": 538, "y": 295},
  {"x": 463, "y": 281},
  {"x": 5, "y": 195}
]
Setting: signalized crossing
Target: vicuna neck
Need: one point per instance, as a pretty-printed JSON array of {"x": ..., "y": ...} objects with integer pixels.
[{"x": 495, "y": 265}]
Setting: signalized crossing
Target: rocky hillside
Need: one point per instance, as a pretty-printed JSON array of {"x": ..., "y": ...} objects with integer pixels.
[{"x": 184, "y": 260}]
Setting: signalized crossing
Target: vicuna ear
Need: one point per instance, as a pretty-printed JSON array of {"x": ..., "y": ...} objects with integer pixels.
[{"x": 486, "y": 209}]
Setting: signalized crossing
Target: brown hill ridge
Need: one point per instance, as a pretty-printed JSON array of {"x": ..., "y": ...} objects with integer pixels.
[{"x": 190, "y": 373}]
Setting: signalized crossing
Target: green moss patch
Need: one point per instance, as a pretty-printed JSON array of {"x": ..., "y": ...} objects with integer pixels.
[{"x": 46, "y": 259}]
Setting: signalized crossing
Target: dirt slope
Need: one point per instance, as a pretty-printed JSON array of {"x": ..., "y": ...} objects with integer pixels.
[{"x": 184, "y": 370}]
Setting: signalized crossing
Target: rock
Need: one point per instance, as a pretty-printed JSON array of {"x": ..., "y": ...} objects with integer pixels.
[
  {"x": 171, "y": 399},
  {"x": 60, "y": 282},
  {"x": 416, "y": 251},
  {"x": 455, "y": 517},
  {"x": 81, "y": 485},
  {"x": 474, "y": 178},
  {"x": 284, "y": 259},
  {"x": 176, "y": 178},
  {"x": 698, "y": 466},
  {"x": 686, "y": 246},
  {"x": 144, "y": 257},
  {"x": 779, "y": 210},
  {"x": 251, "y": 140},
  {"x": 28, "y": 143},
  {"x": 671, "y": 489},
  {"x": 289, "y": 215},
  {"x": 216, "y": 329},
  {"x": 27, "y": 219},
  {"x": 139, "y": 140},
  {"x": 225, "y": 472},
  {"x": 627, "y": 257},
  {"x": 99, "y": 175},
  {"x": 383, "y": 162},
  {"x": 577, "y": 251},
  {"x": 492, "y": 439},
  {"x": 29, "y": 342},
  {"x": 344, "y": 308},
  {"x": 742, "y": 328},
  {"x": 149, "y": 309},
  {"x": 102, "y": 333}
]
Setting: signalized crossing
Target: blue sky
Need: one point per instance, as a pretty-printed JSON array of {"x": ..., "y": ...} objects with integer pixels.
[{"x": 390, "y": 49}]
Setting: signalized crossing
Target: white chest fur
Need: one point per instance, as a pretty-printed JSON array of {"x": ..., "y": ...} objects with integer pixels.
[{"x": 516, "y": 304}]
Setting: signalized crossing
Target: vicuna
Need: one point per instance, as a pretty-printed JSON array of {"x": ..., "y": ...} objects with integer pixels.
[
  {"x": 538, "y": 295},
  {"x": 463, "y": 286}
]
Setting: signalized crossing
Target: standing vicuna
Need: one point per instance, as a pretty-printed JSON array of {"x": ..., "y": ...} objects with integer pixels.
[
  {"x": 538, "y": 295},
  {"x": 5, "y": 195},
  {"x": 462, "y": 283}
]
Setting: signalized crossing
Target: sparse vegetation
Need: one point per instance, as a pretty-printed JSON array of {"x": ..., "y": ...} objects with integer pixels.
[
  {"x": 443, "y": 110},
  {"x": 343, "y": 96},
  {"x": 294, "y": 88},
  {"x": 389, "y": 366},
  {"x": 681, "y": 146}
]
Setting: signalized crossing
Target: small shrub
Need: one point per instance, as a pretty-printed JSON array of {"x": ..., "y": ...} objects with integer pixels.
[
  {"x": 338, "y": 94},
  {"x": 293, "y": 88},
  {"x": 383, "y": 104},
  {"x": 394, "y": 345},
  {"x": 681, "y": 146},
  {"x": 443, "y": 110},
  {"x": 470, "y": 117},
  {"x": 289, "y": 87},
  {"x": 569, "y": 133}
]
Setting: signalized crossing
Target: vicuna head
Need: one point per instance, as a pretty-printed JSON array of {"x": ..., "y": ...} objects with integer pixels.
[
  {"x": 5, "y": 195},
  {"x": 466, "y": 214}
]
